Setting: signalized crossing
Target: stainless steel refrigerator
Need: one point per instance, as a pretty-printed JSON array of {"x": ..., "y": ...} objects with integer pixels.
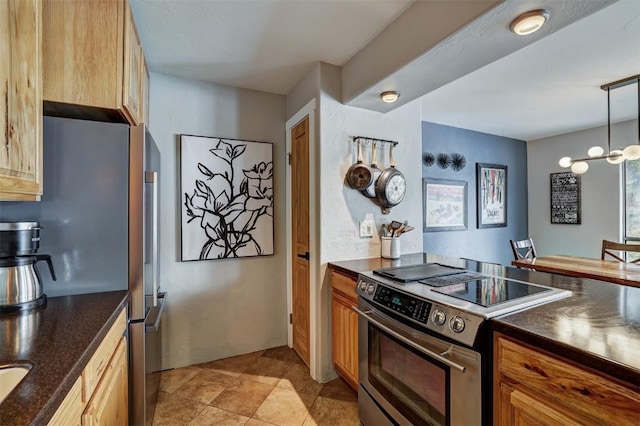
[{"x": 99, "y": 215}]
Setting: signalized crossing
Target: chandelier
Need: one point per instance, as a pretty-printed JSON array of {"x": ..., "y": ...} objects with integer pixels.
[{"x": 617, "y": 156}]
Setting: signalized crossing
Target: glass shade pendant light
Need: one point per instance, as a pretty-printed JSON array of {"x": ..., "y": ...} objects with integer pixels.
[
  {"x": 565, "y": 162},
  {"x": 616, "y": 156},
  {"x": 595, "y": 151},
  {"x": 579, "y": 167}
]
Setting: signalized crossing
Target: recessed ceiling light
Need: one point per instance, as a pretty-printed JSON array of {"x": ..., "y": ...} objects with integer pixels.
[
  {"x": 529, "y": 22},
  {"x": 390, "y": 96}
]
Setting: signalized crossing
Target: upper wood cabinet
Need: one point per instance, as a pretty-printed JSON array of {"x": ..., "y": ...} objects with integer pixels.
[
  {"x": 21, "y": 100},
  {"x": 92, "y": 60},
  {"x": 145, "y": 91}
]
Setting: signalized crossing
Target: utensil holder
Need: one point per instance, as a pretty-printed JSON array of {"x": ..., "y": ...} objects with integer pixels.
[{"x": 390, "y": 247}]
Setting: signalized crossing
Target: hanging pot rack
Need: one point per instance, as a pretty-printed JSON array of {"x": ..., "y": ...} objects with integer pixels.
[{"x": 365, "y": 140}]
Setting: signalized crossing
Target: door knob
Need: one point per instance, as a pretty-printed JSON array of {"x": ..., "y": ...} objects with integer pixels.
[{"x": 306, "y": 255}]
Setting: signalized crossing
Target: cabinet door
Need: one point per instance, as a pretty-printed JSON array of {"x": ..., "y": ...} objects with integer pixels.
[
  {"x": 109, "y": 404},
  {"x": 529, "y": 411},
  {"x": 145, "y": 92},
  {"x": 70, "y": 411},
  {"x": 345, "y": 339},
  {"x": 82, "y": 55},
  {"x": 21, "y": 100},
  {"x": 132, "y": 87}
]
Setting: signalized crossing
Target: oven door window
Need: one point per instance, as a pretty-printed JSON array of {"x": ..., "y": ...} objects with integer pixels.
[{"x": 417, "y": 386}]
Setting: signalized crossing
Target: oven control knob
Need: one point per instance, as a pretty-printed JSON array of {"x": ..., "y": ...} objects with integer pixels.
[
  {"x": 456, "y": 324},
  {"x": 370, "y": 289},
  {"x": 439, "y": 317},
  {"x": 362, "y": 285}
]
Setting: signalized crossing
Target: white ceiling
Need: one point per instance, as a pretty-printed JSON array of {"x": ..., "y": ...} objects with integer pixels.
[{"x": 548, "y": 87}]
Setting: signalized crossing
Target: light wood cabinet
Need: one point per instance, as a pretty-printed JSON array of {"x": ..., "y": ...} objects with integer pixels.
[
  {"x": 132, "y": 87},
  {"x": 70, "y": 411},
  {"x": 21, "y": 100},
  {"x": 145, "y": 91},
  {"x": 100, "y": 395},
  {"x": 92, "y": 60},
  {"x": 345, "y": 327},
  {"x": 532, "y": 387},
  {"x": 109, "y": 404}
]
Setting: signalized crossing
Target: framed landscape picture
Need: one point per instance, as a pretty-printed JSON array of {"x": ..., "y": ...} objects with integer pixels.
[
  {"x": 445, "y": 205},
  {"x": 491, "y": 195}
]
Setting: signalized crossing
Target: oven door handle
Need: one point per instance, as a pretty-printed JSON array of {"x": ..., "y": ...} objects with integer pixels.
[{"x": 410, "y": 343}]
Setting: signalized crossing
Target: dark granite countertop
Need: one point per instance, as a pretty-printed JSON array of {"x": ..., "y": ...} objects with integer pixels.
[
  {"x": 57, "y": 340},
  {"x": 597, "y": 327}
]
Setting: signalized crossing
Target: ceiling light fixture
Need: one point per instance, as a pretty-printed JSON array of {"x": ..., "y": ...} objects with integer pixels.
[
  {"x": 390, "y": 96},
  {"x": 529, "y": 22},
  {"x": 617, "y": 156}
]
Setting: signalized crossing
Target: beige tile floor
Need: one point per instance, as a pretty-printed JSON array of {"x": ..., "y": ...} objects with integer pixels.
[{"x": 270, "y": 387}]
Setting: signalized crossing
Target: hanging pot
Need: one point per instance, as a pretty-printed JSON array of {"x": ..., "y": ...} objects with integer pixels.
[
  {"x": 390, "y": 186},
  {"x": 370, "y": 191},
  {"x": 359, "y": 175}
]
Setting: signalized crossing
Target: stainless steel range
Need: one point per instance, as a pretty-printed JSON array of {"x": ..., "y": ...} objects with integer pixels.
[{"x": 424, "y": 347}]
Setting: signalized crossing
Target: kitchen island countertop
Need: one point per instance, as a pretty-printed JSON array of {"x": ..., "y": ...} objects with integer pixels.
[
  {"x": 597, "y": 327},
  {"x": 57, "y": 340}
]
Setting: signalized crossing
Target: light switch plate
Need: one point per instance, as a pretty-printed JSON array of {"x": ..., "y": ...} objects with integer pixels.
[{"x": 366, "y": 228}]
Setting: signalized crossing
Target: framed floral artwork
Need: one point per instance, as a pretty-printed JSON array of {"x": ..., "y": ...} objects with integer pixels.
[{"x": 227, "y": 198}]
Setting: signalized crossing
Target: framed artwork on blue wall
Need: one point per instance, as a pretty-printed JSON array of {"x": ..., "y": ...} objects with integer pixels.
[
  {"x": 445, "y": 205},
  {"x": 491, "y": 195}
]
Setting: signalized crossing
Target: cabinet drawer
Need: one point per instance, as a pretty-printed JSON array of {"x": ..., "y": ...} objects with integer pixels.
[
  {"x": 70, "y": 411},
  {"x": 100, "y": 360},
  {"x": 573, "y": 387},
  {"x": 345, "y": 285}
]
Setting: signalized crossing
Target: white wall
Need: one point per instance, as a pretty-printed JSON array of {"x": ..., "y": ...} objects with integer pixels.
[
  {"x": 342, "y": 208},
  {"x": 601, "y": 191},
  {"x": 217, "y": 308}
]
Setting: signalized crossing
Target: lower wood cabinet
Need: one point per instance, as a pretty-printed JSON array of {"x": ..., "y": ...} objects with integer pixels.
[
  {"x": 345, "y": 327},
  {"x": 109, "y": 403},
  {"x": 532, "y": 387},
  {"x": 100, "y": 395}
]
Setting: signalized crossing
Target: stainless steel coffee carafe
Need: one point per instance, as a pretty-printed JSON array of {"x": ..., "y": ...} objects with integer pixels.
[{"x": 20, "y": 282}]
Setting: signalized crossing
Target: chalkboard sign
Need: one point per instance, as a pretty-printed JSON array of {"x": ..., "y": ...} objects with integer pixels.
[{"x": 565, "y": 198}]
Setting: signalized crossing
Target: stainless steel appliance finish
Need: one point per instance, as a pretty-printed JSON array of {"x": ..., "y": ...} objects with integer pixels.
[
  {"x": 20, "y": 282},
  {"x": 441, "y": 381},
  {"x": 144, "y": 275},
  {"x": 98, "y": 212},
  {"x": 425, "y": 351}
]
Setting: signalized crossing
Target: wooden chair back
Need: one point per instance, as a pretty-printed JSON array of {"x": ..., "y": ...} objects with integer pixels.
[
  {"x": 609, "y": 247},
  {"x": 523, "y": 249}
]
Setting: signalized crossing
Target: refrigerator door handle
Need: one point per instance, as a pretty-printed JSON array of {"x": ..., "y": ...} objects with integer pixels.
[
  {"x": 152, "y": 323},
  {"x": 152, "y": 178}
]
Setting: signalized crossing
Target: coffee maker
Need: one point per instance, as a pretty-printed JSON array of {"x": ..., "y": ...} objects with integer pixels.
[{"x": 20, "y": 282}]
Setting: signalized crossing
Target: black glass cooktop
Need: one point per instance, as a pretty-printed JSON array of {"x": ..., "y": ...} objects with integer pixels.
[
  {"x": 417, "y": 272},
  {"x": 490, "y": 291}
]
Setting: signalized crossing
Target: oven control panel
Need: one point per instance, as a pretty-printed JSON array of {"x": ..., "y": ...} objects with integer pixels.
[
  {"x": 440, "y": 318},
  {"x": 406, "y": 305}
]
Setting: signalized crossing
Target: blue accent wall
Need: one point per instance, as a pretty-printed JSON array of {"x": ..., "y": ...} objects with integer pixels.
[{"x": 487, "y": 244}]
